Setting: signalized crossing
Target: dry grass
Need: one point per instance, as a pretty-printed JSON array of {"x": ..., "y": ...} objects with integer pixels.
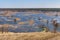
[{"x": 27, "y": 36}]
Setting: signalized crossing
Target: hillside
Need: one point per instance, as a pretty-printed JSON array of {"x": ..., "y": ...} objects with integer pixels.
[{"x": 29, "y": 36}]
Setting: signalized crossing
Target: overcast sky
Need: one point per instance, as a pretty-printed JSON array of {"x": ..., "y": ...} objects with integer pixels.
[{"x": 29, "y": 3}]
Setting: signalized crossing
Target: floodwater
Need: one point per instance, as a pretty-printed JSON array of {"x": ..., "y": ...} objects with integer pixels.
[{"x": 25, "y": 17}]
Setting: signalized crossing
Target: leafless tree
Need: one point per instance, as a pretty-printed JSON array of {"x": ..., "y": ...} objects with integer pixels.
[
  {"x": 5, "y": 28},
  {"x": 55, "y": 25},
  {"x": 42, "y": 26},
  {"x": 2, "y": 28},
  {"x": 47, "y": 28}
]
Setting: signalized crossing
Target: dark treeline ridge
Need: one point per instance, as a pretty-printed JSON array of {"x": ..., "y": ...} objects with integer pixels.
[{"x": 37, "y": 9}]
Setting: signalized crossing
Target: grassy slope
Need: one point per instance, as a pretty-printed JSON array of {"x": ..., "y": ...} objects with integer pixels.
[{"x": 27, "y": 36}]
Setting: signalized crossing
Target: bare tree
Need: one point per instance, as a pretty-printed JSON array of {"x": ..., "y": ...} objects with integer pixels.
[
  {"x": 5, "y": 28},
  {"x": 47, "y": 29},
  {"x": 2, "y": 28},
  {"x": 55, "y": 25},
  {"x": 42, "y": 26}
]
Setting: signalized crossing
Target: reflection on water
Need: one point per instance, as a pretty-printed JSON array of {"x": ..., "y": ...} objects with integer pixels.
[{"x": 23, "y": 24}]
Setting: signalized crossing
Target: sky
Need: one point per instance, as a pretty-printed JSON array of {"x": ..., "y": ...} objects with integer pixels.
[{"x": 29, "y": 3}]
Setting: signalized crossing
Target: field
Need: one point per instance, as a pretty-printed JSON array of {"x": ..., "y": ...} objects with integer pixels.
[{"x": 30, "y": 36}]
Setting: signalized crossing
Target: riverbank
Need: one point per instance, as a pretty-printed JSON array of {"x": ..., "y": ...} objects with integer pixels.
[{"x": 28, "y": 36}]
